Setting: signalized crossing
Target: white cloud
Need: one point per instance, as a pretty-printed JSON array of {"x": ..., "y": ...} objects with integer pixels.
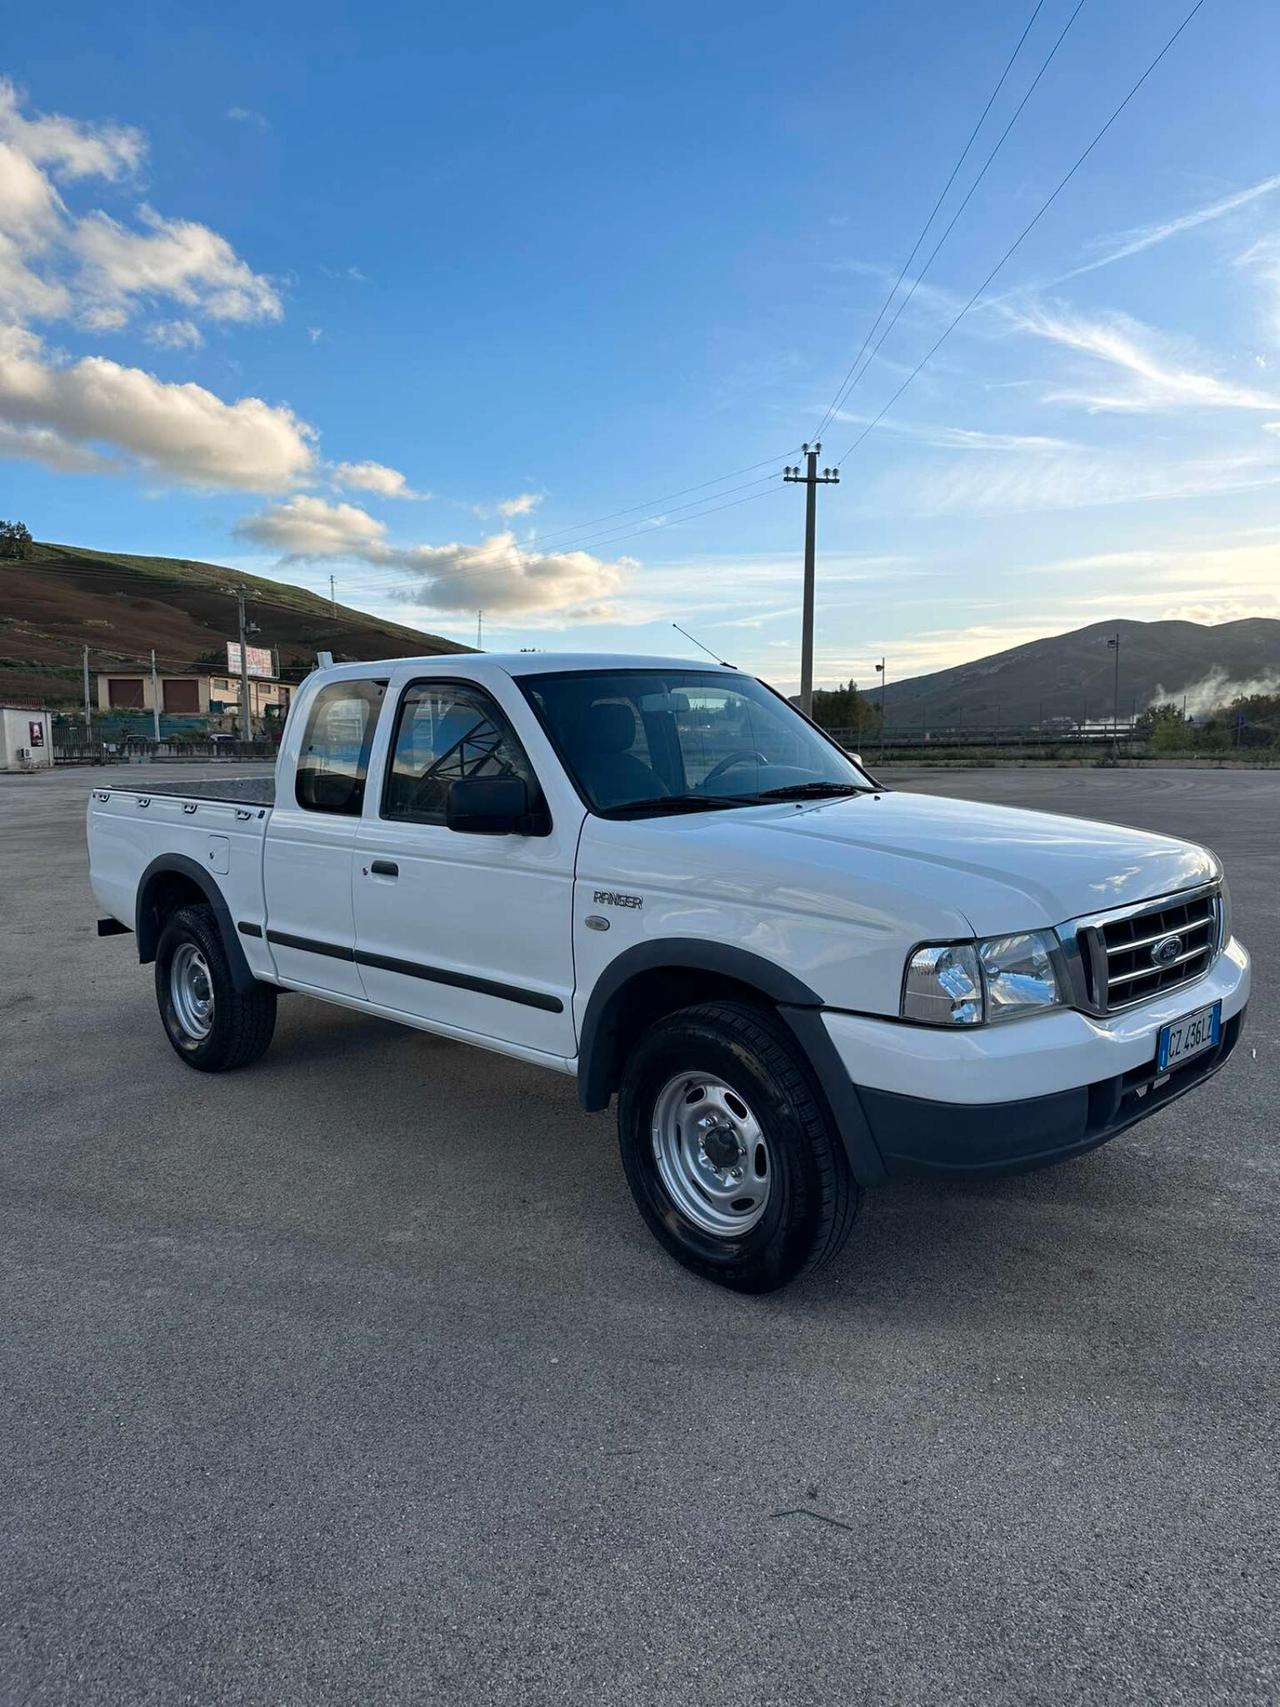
[
  {"x": 1133, "y": 242},
  {"x": 175, "y": 258},
  {"x": 1156, "y": 381},
  {"x": 961, "y": 438},
  {"x": 1002, "y": 485},
  {"x": 521, "y": 505},
  {"x": 24, "y": 294},
  {"x": 175, "y": 335},
  {"x": 315, "y": 333},
  {"x": 246, "y": 115},
  {"x": 57, "y": 264},
  {"x": 70, "y": 148},
  {"x": 179, "y": 430},
  {"x": 1263, "y": 259},
  {"x": 104, "y": 317},
  {"x": 43, "y": 445},
  {"x": 496, "y": 575},
  {"x": 499, "y": 575},
  {"x": 311, "y": 527},
  {"x": 31, "y": 209},
  {"x": 375, "y": 477}
]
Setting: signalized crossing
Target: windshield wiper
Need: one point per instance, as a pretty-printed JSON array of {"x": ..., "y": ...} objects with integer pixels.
[
  {"x": 680, "y": 803},
  {"x": 812, "y": 790}
]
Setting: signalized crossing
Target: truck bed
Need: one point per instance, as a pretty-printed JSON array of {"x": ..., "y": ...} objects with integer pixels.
[{"x": 237, "y": 790}]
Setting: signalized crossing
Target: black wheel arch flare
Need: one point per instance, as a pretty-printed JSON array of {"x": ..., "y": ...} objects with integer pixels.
[
  {"x": 799, "y": 1007},
  {"x": 148, "y": 927}
]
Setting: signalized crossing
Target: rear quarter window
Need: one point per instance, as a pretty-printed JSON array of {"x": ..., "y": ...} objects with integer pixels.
[{"x": 334, "y": 758}]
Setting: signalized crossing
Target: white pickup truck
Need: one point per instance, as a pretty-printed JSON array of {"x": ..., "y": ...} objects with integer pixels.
[{"x": 662, "y": 879}]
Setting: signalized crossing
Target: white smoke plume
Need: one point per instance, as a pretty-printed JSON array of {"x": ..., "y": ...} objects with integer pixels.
[{"x": 1215, "y": 690}]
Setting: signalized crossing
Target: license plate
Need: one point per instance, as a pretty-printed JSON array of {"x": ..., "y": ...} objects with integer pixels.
[{"x": 1188, "y": 1036}]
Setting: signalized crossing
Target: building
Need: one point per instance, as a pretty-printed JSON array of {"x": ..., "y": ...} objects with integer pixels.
[
  {"x": 26, "y": 738},
  {"x": 213, "y": 696}
]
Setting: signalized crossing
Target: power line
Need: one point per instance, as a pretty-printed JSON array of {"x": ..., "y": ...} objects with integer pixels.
[
  {"x": 1022, "y": 235},
  {"x": 933, "y": 214},
  {"x": 650, "y": 503},
  {"x": 652, "y": 523},
  {"x": 852, "y": 382}
]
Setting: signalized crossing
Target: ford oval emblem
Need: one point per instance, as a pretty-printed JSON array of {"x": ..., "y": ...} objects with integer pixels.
[{"x": 1167, "y": 950}]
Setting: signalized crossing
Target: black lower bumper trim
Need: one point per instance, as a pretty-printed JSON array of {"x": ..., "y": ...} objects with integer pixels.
[{"x": 915, "y": 1135}]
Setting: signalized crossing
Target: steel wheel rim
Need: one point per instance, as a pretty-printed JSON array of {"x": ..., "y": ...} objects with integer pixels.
[
  {"x": 191, "y": 991},
  {"x": 711, "y": 1154}
]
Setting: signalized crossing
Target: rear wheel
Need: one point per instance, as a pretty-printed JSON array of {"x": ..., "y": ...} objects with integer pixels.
[
  {"x": 213, "y": 1026},
  {"x": 731, "y": 1155}
]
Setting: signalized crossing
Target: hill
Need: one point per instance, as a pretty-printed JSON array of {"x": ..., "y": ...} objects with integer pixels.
[
  {"x": 64, "y": 597},
  {"x": 1072, "y": 675}
]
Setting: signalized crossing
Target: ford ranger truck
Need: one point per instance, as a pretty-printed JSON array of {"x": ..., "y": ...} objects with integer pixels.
[{"x": 663, "y": 880}]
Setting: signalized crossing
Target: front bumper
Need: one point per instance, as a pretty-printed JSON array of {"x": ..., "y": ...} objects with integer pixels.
[{"x": 1030, "y": 1092}]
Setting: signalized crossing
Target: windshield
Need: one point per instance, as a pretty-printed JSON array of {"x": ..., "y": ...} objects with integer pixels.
[{"x": 679, "y": 740}]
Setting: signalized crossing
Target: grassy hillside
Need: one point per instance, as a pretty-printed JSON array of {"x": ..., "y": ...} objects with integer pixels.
[
  {"x": 1068, "y": 674},
  {"x": 65, "y": 597}
]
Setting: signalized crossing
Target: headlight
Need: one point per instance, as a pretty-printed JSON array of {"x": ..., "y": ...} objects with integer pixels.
[
  {"x": 943, "y": 985},
  {"x": 967, "y": 983},
  {"x": 1018, "y": 974}
]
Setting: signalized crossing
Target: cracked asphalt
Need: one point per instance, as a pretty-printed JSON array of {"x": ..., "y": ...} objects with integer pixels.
[{"x": 354, "y": 1378}]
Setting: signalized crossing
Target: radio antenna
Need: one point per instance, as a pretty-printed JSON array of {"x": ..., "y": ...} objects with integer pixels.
[{"x": 706, "y": 649}]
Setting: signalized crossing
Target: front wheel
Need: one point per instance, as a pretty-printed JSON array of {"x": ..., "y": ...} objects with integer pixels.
[
  {"x": 213, "y": 1026},
  {"x": 730, "y": 1153}
]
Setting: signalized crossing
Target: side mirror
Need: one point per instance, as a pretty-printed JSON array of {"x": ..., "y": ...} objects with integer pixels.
[
  {"x": 857, "y": 758},
  {"x": 488, "y": 806}
]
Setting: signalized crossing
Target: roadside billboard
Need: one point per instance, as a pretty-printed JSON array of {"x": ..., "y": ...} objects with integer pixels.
[{"x": 258, "y": 659}]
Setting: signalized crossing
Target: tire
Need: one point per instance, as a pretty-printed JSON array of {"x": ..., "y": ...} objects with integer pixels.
[
  {"x": 228, "y": 1030},
  {"x": 687, "y": 1149}
]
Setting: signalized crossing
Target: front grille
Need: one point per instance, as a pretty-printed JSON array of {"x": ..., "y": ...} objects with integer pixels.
[{"x": 1117, "y": 953}]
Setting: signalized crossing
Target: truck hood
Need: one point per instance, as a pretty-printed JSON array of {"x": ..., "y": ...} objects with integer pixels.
[{"x": 1003, "y": 867}]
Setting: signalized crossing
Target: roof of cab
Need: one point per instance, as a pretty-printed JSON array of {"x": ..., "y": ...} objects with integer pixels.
[{"x": 520, "y": 663}]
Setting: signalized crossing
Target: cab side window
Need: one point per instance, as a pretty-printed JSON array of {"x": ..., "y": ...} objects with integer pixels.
[
  {"x": 447, "y": 732},
  {"x": 334, "y": 759}
]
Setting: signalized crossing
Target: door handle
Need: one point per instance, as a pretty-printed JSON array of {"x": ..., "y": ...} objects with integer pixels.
[{"x": 385, "y": 868}]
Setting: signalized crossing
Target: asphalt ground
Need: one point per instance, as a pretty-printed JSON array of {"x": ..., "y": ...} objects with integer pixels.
[{"x": 355, "y": 1378}]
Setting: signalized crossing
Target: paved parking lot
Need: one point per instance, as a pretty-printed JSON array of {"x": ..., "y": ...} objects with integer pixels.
[{"x": 355, "y": 1378}]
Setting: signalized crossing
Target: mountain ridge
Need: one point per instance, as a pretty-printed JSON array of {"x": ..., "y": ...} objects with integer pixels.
[
  {"x": 1073, "y": 674},
  {"x": 121, "y": 604}
]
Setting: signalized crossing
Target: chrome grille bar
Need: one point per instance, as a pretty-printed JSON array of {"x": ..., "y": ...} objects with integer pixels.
[{"x": 1110, "y": 967}]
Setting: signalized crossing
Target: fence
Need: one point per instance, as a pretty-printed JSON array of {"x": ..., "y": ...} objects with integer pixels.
[
  {"x": 70, "y": 748},
  {"x": 873, "y": 742}
]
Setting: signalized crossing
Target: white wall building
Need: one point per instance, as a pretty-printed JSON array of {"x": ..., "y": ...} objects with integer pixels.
[{"x": 26, "y": 739}]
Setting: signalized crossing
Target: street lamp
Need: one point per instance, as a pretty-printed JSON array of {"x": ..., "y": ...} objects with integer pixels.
[
  {"x": 884, "y": 683},
  {"x": 1114, "y": 644}
]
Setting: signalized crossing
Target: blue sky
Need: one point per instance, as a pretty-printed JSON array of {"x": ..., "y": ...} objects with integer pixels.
[{"x": 413, "y": 296}]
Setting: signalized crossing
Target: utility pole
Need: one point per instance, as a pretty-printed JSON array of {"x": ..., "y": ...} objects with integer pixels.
[
  {"x": 1114, "y": 642},
  {"x": 811, "y": 480},
  {"x": 333, "y": 598},
  {"x": 884, "y": 683},
  {"x": 88, "y": 709},
  {"x": 246, "y": 628},
  {"x": 155, "y": 696}
]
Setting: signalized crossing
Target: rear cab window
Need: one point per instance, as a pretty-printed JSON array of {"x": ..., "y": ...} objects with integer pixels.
[{"x": 333, "y": 761}]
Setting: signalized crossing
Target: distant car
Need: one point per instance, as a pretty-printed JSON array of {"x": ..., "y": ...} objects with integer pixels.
[{"x": 796, "y": 982}]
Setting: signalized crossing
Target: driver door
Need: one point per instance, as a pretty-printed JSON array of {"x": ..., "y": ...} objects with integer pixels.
[{"x": 463, "y": 930}]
